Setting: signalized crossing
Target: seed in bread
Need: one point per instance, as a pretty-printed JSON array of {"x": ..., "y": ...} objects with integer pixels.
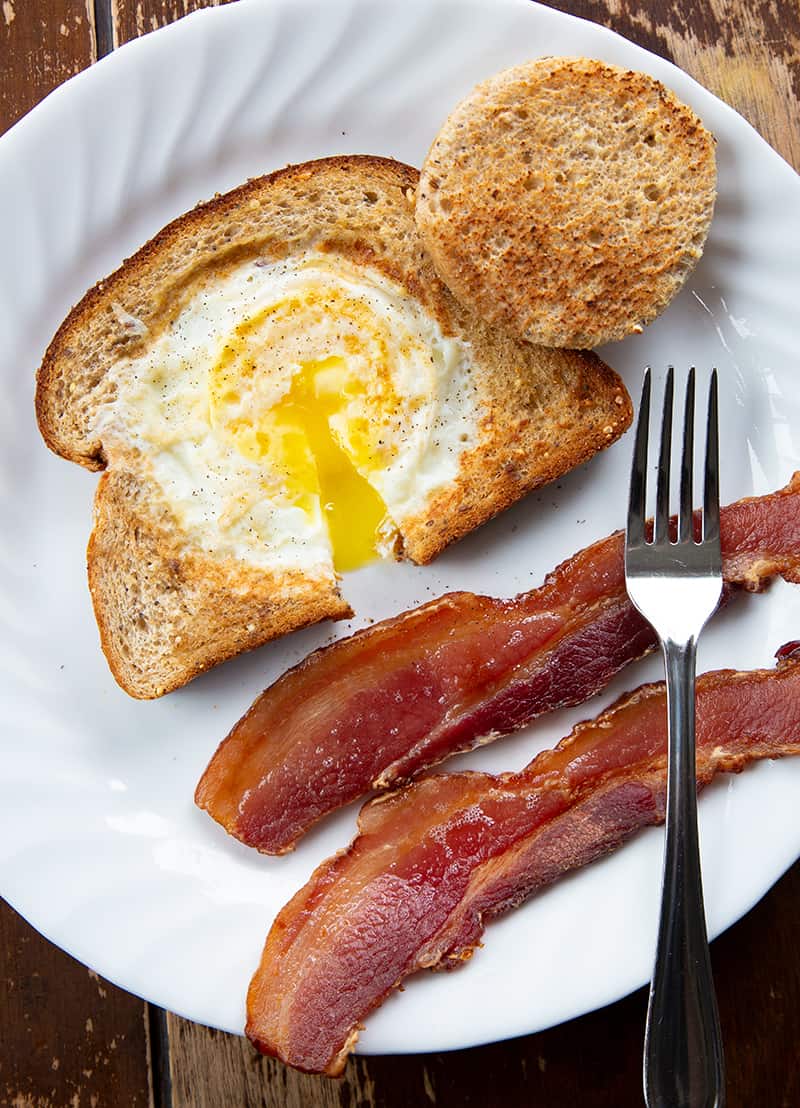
[
  {"x": 568, "y": 199},
  {"x": 279, "y": 386}
]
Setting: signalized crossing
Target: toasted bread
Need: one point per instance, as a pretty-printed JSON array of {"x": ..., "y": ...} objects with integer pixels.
[
  {"x": 568, "y": 199},
  {"x": 168, "y": 606}
]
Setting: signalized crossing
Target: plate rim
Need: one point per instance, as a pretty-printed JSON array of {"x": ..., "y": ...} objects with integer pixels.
[{"x": 26, "y": 127}]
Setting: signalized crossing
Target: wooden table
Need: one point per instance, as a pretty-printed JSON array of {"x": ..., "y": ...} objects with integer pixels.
[{"x": 67, "y": 1038}]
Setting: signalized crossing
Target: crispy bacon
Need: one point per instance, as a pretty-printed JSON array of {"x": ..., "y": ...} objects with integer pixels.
[
  {"x": 432, "y": 862},
  {"x": 374, "y": 709}
]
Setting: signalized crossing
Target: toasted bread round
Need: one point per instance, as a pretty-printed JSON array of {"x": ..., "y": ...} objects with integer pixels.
[
  {"x": 568, "y": 199},
  {"x": 168, "y": 608}
]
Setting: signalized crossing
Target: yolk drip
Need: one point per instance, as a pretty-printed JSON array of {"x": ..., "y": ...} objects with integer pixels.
[
  {"x": 296, "y": 437},
  {"x": 352, "y": 508}
]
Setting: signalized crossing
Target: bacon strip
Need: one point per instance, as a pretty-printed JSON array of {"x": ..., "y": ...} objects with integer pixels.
[
  {"x": 374, "y": 709},
  {"x": 433, "y": 861}
]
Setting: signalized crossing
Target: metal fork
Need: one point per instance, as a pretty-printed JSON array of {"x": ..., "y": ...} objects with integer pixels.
[{"x": 676, "y": 584}]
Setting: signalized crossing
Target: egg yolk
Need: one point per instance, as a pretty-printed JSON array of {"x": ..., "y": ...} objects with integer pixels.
[
  {"x": 352, "y": 508},
  {"x": 321, "y": 435}
]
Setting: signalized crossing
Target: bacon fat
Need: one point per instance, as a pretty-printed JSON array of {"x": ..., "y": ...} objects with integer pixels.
[
  {"x": 433, "y": 861},
  {"x": 374, "y": 709}
]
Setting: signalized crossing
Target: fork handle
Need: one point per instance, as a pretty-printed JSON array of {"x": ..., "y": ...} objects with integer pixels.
[{"x": 683, "y": 1059}]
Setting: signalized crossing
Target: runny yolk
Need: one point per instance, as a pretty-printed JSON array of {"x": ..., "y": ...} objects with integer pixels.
[
  {"x": 352, "y": 509},
  {"x": 317, "y": 440}
]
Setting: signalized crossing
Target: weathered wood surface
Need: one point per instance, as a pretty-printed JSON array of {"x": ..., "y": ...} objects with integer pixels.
[
  {"x": 42, "y": 43},
  {"x": 66, "y": 1036},
  {"x": 132, "y": 18},
  {"x": 69, "y": 1039}
]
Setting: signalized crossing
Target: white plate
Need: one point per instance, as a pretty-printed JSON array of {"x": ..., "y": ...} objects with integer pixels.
[{"x": 100, "y": 845}]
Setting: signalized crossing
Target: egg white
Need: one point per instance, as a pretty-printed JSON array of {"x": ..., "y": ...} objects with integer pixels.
[{"x": 232, "y": 505}]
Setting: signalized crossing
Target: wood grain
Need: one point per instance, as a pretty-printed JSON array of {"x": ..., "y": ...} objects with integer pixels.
[
  {"x": 131, "y": 18},
  {"x": 41, "y": 45},
  {"x": 69, "y": 1039}
]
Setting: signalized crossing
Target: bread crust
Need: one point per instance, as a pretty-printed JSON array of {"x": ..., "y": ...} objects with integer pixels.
[
  {"x": 568, "y": 200},
  {"x": 545, "y": 412},
  {"x": 166, "y": 610}
]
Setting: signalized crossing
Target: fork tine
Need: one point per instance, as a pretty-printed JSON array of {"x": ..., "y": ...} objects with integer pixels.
[
  {"x": 687, "y": 464},
  {"x": 661, "y": 525},
  {"x": 638, "y": 487},
  {"x": 711, "y": 489}
]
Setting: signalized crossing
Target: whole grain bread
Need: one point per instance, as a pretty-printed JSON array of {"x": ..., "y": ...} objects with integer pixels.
[
  {"x": 568, "y": 199},
  {"x": 168, "y": 610}
]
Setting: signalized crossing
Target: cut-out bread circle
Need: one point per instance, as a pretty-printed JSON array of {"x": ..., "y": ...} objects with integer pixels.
[{"x": 568, "y": 200}]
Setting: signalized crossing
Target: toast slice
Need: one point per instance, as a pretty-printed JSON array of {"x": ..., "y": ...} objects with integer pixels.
[
  {"x": 176, "y": 592},
  {"x": 568, "y": 200}
]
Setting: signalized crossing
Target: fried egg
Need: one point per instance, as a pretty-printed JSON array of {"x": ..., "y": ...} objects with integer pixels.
[{"x": 294, "y": 413}]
